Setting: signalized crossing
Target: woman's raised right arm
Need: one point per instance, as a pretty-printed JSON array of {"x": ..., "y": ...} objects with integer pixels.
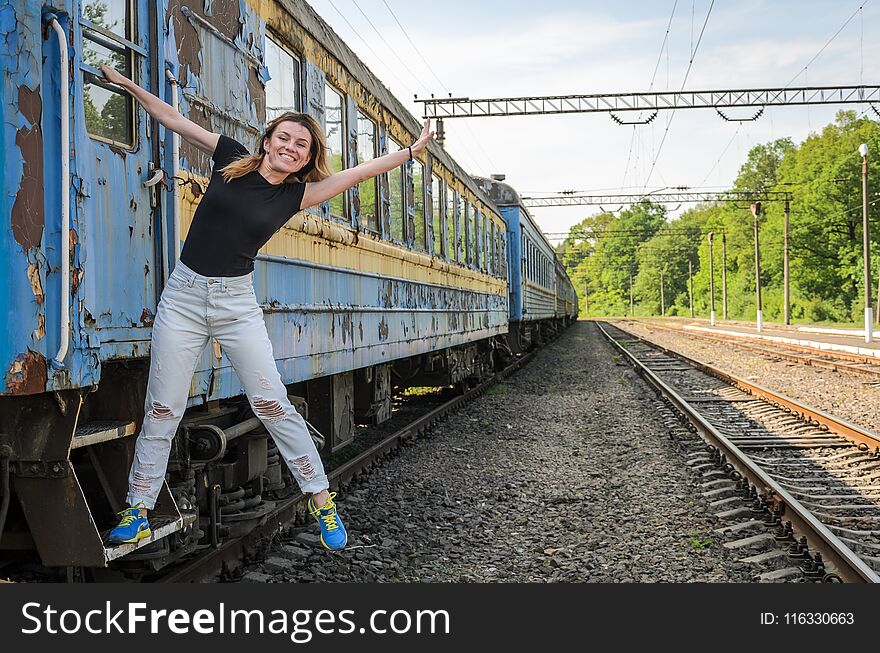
[{"x": 165, "y": 113}]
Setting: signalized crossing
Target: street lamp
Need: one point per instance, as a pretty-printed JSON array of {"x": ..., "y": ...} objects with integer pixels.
[{"x": 869, "y": 317}]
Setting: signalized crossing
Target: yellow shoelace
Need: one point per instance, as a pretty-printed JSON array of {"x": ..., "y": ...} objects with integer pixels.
[
  {"x": 329, "y": 519},
  {"x": 129, "y": 515},
  {"x": 127, "y": 520}
]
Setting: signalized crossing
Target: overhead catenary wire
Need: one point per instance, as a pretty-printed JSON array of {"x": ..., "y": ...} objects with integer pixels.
[
  {"x": 827, "y": 43},
  {"x": 390, "y": 49},
  {"x": 859, "y": 10},
  {"x": 663, "y": 46},
  {"x": 684, "y": 81},
  {"x": 381, "y": 60},
  {"x": 358, "y": 34},
  {"x": 488, "y": 158}
]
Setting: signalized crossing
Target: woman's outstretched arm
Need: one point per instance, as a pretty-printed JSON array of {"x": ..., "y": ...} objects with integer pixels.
[
  {"x": 321, "y": 191},
  {"x": 165, "y": 113}
]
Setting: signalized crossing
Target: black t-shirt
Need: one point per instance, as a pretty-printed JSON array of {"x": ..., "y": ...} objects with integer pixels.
[{"x": 235, "y": 219}]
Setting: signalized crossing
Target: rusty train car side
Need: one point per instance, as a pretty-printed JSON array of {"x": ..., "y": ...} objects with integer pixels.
[{"x": 400, "y": 281}]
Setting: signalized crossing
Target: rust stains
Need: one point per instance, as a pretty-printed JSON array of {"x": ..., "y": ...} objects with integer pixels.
[
  {"x": 346, "y": 326},
  {"x": 383, "y": 329},
  {"x": 147, "y": 317},
  {"x": 198, "y": 159},
  {"x": 27, "y": 374},
  {"x": 36, "y": 284},
  {"x": 257, "y": 93},
  {"x": 27, "y": 212},
  {"x": 225, "y": 16},
  {"x": 188, "y": 44}
]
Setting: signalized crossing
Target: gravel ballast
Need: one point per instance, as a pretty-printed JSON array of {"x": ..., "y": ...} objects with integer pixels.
[{"x": 561, "y": 473}]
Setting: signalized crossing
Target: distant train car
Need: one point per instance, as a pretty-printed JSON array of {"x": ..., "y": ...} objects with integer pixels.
[
  {"x": 400, "y": 281},
  {"x": 542, "y": 297},
  {"x": 566, "y": 297}
]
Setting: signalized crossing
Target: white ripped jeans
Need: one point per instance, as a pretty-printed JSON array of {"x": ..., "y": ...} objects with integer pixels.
[{"x": 193, "y": 309}]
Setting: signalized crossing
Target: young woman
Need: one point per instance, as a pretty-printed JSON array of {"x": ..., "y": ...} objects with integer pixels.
[{"x": 210, "y": 294}]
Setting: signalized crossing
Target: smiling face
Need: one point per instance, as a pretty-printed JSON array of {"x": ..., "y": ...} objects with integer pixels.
[{"x": 288, "y": 148}]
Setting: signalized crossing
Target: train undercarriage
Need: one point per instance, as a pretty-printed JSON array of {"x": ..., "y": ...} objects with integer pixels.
[{"x": 66, "y": 456}]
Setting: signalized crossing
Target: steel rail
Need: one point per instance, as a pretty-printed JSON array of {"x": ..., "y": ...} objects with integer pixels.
[
  {"x": 219, "y": 559},
  {"x": 839, "y": 559}
]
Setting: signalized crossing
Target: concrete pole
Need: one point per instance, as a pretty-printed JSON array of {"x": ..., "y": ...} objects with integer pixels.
[
  {"x": 586, "y": 300},
  {"x": 724, "y": 275},
  {"x": 866, "y": 249},
  {"x": 786, "y": 296},
  {"x": 631, "y": 306},
  {"x": 756, "y": 211},
  {"x": 691, "y": 286},
  {"x": 712, "y": 282},
  {"x": 662, "y": 296}
]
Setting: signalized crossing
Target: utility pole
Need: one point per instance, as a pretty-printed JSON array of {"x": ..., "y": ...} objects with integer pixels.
[
  {"x": 710, "y": 236},
  {"x": 631, "y": 312},
  {"x": 724, "y": 276},
  {"x": 586, "y": 300},
  {"x": 691, "y": 286},
  {"x": 786, "y": 297},
  {"x": 756, "y": 211},
  {"x": 866, "y": 248},
  {"x": 662, "y": 297}
]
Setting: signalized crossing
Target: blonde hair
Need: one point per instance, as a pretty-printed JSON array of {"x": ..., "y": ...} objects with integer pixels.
[{"x": 315, "y": 170}]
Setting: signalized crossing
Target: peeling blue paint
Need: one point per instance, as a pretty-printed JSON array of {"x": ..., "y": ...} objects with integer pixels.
[{"x": 321, "y": 320}]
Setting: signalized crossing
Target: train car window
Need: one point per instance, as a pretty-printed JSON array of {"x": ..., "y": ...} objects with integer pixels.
[
  {"x": 419, "y": 205},
  {"x": 395, "y": 190},
  {"x": 529, "y": 261},
  {"x": 283, "y": 87},
  {"x": 490, "y": 247},
  {"x": 468, "y": 247},
  {"x": 436, "y": 201},
  {"x": 335, "y": 127},
  {"x": 451, "y": 224},
  {"x": 476, "y": 235},
  {"x": 493, "y": 264},
  {"x": 108, "y": 30},
  {"x": 366, "y": 150},
  {"x": 484, "y": 242}
]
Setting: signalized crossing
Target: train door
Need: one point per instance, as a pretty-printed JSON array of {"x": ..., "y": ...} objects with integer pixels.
[{"x": 118, "y": 186}]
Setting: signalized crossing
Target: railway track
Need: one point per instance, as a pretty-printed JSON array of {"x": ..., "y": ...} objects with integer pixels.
[
  {"x": 227, "y": 558},
  {"x": 835, "y": 360},
  {"x": 801, "y": 487}
]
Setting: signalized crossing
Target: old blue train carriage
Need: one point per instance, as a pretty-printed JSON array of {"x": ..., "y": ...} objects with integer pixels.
[
  {"x": 402, "y": 280},
  {"x": 542, "y": 298},
  {"x": 566, "y": 296}
]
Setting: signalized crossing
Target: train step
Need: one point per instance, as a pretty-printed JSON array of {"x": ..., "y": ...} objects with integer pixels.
[
  {"x": 102, "y": 431},
  {"x": 160, "y": 526}
]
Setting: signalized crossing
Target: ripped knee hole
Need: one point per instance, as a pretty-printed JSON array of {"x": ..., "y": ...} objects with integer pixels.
[{"x": 268, "y": 409}]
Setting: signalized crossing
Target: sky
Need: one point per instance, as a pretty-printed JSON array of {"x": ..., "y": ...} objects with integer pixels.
[{"x": 512, "y": 48}]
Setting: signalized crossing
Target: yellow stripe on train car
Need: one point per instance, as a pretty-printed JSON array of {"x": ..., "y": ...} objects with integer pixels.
[{"x": 307, "y": 237}]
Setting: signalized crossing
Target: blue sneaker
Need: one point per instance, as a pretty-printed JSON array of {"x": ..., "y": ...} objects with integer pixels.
[
  {"x": 132, "y": 527},
  {"x": 333, "y": 535}
]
